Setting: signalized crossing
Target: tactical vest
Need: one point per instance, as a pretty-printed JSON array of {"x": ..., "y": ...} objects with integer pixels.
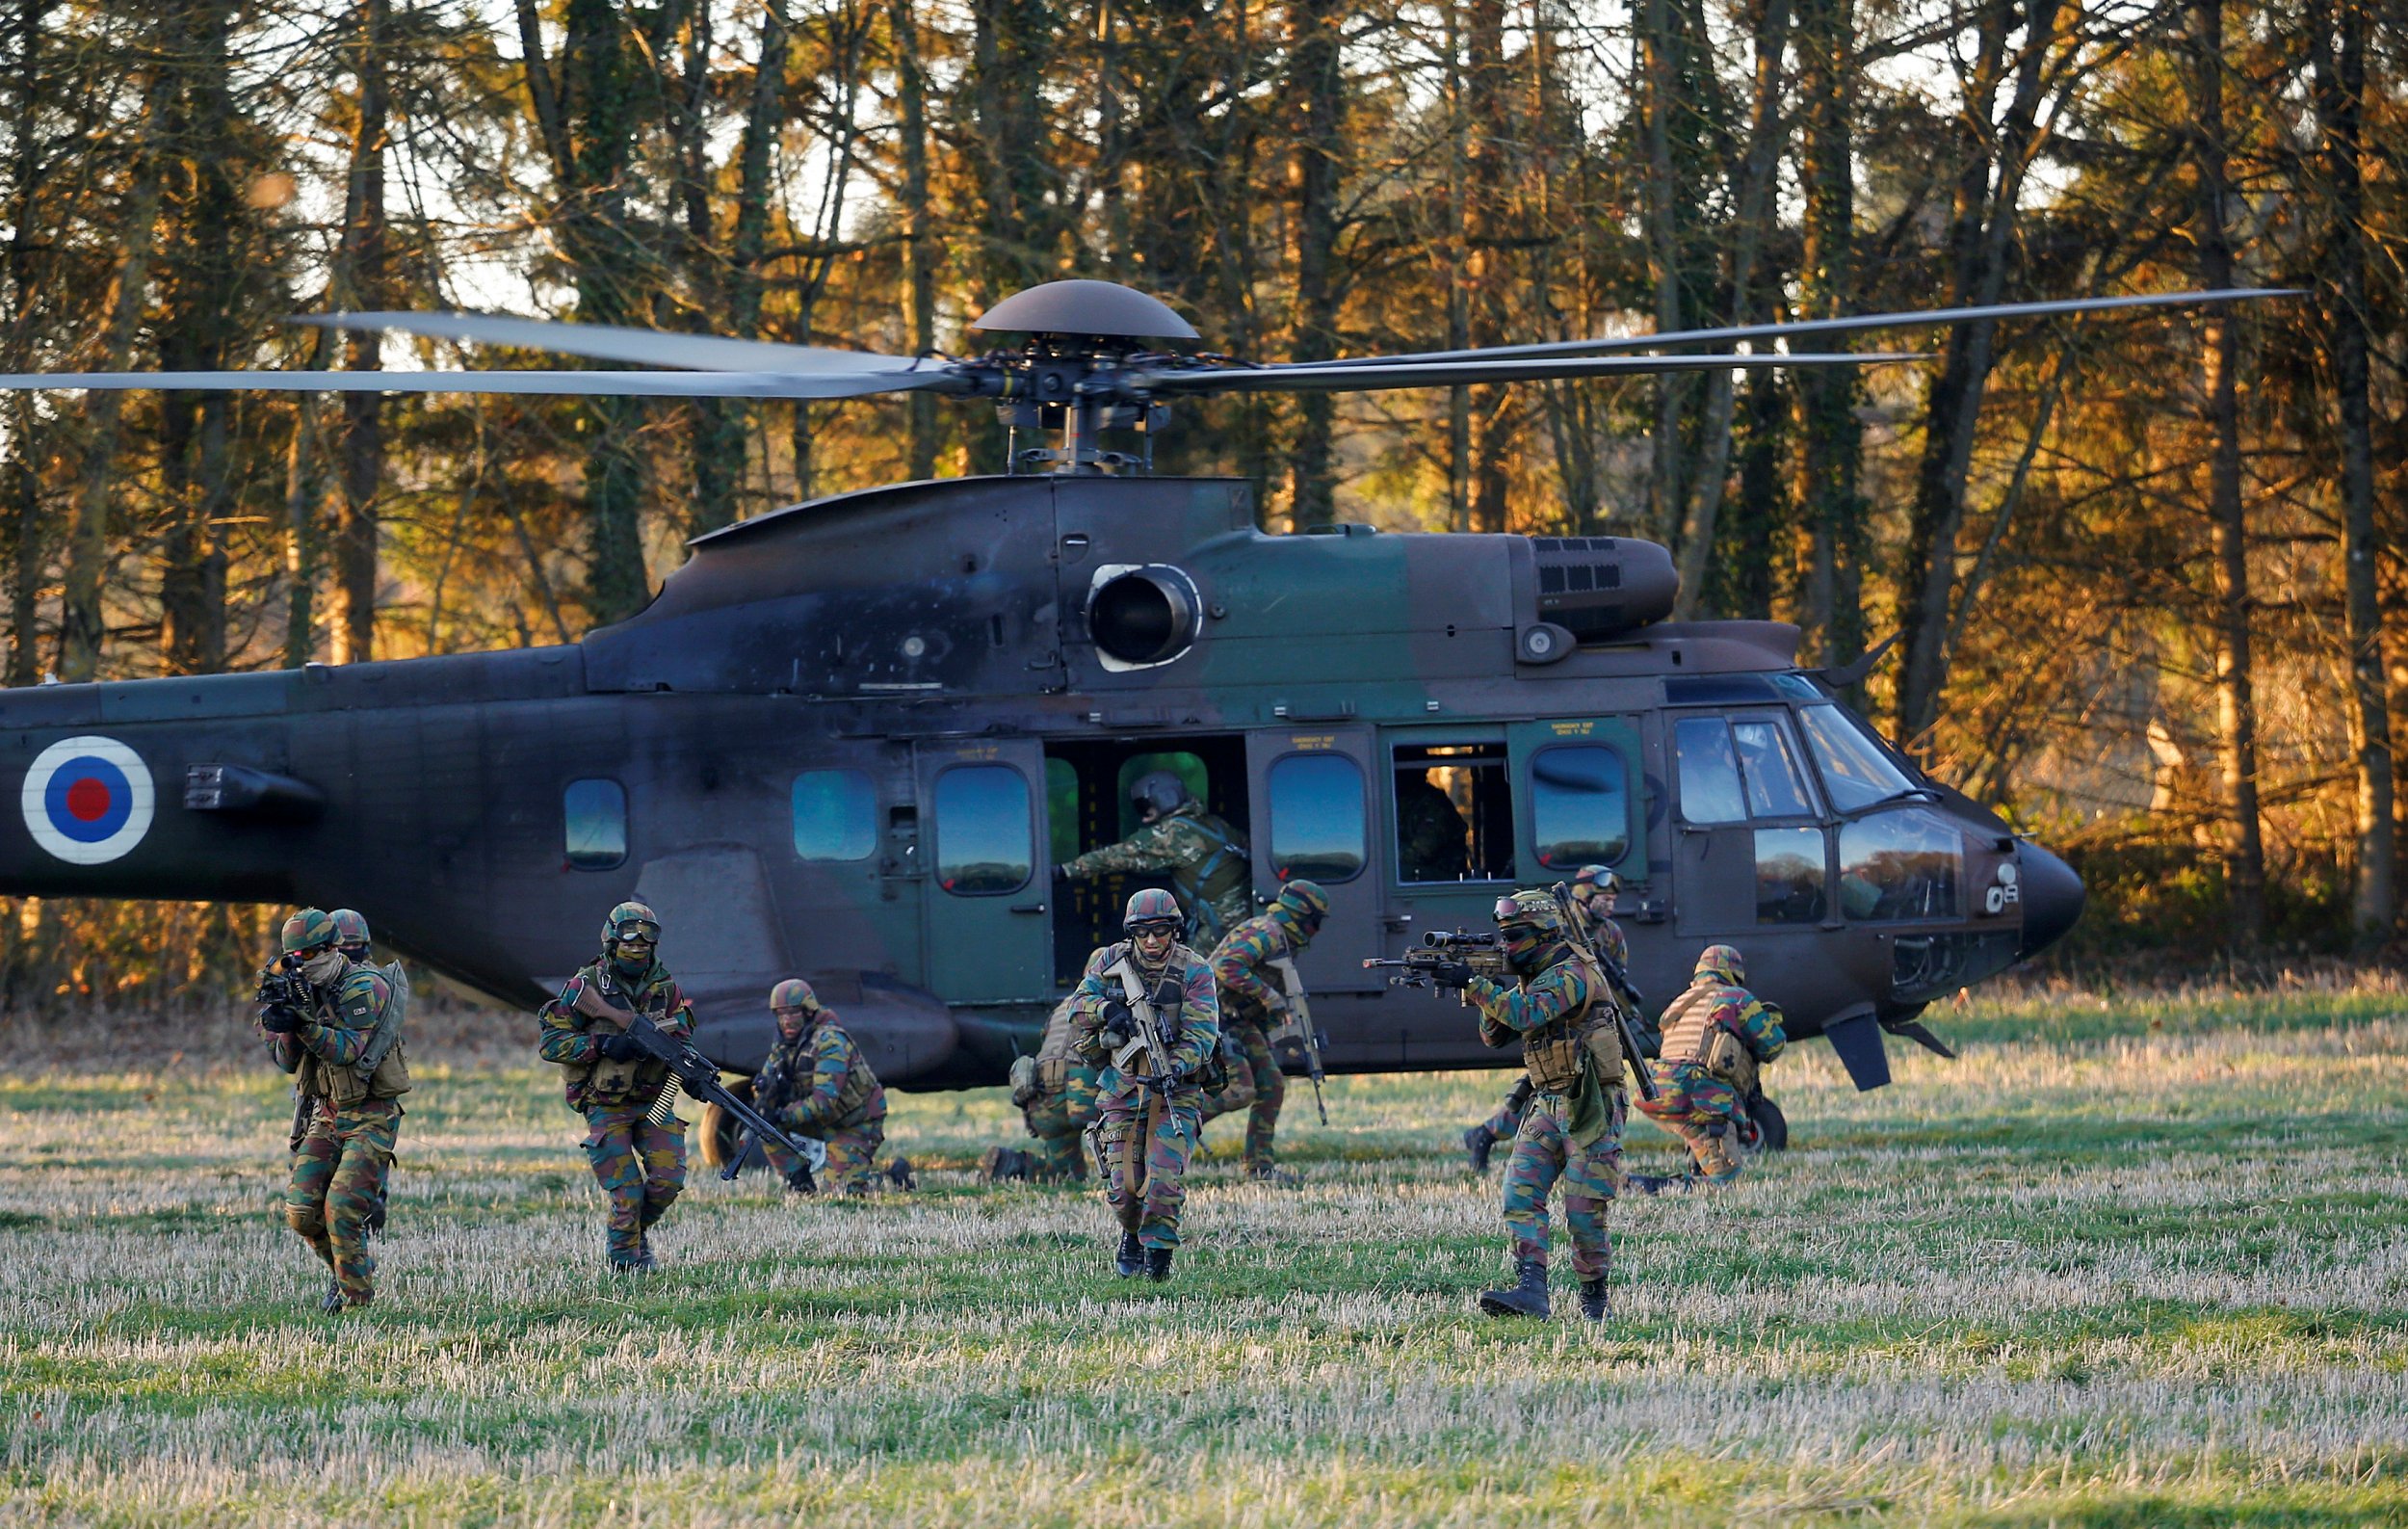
[
  {"x": 1556, "y": 1053},
  {"x": 1224, "y": 868},
  {"x": 1692, "y": 1035},
  {"x": 382, "y": 1073},
  {"x": 1137, "y": 992},
  {"x": 609, "y": 1080},
  {"x": 1054, "y": 1059}
]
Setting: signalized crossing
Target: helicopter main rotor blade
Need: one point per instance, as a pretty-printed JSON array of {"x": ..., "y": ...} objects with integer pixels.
[
  {"x": 1807, "y": 328},
  {"x": 581, "y": 384},
  {"x": 1324, "y": 376},
  {"x": 604, "y": 342}
]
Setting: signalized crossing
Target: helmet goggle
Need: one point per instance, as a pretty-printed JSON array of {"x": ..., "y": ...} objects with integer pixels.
[
  {"x": 1154, "y": 926},
  {"x": 636, "y": 931}
]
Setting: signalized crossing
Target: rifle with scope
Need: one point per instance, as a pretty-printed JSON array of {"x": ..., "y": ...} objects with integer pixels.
[
  {"x": 1448, "y": 959},
  {"x": 284, "y": 1002}
]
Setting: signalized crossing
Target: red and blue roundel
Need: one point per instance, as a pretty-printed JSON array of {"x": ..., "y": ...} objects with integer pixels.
[{"x": 88, "y": 799}]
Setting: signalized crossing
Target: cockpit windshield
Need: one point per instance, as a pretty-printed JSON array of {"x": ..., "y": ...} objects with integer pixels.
[{"x": 1855, "y": 769}]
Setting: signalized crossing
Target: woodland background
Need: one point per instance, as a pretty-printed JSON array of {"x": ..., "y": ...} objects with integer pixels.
[{"x": 2146, "y": 570}]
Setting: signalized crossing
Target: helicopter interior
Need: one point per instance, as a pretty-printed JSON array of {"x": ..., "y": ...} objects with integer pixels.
[{"x": 1087, "y": 805}]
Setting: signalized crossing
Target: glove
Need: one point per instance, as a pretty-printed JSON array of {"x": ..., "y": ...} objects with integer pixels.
[
  {"x": 1120, "y": 1021},
  {"x": 1450, "y": 974},
  {"x": 279, "y": 1020},
  {"x": 619, "y": 1047},
  {"x": 1168, "y": 1081},
  {"x": 1061, "y": 871}
]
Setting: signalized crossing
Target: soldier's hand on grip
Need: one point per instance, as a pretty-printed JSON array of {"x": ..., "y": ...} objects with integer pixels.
[
  {"x": 280, "y": 1020},
  {"x": 1450, "y": 974},
  {"x": 1120, "y": 1021},
  {"x": 620, "y": 1046}
]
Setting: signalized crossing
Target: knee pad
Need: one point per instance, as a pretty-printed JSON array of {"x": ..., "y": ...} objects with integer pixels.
[{"x": 309, "y": 1220}]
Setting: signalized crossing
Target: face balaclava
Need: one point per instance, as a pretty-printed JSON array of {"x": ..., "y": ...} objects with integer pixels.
[{"x": 325, "y": 966}]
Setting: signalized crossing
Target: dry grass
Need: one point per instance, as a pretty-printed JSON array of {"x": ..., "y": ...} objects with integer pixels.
[{"x": 2127, "y": 1262}]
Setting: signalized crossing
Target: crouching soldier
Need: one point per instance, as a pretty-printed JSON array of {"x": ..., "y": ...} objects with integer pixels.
[
  {"x": 337, "y": 1029},
  {"x": 816, "y": 1083},
  {"x": 639, "y": 1160},
  {"x": 1146, "y": 1010},
  {"x": 1255, "y": 972},
  {"x": 1557, "y": 1007},
  {"x": 1716, "y": 1036},
  {"x": 1056, "y": 1093}
]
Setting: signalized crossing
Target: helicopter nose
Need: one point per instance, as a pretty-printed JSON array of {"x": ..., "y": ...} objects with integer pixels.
[{"x": 2052, "y": 898}]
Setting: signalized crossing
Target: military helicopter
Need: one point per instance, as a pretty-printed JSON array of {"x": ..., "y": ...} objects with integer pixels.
[{"x": 849, "y": 738}]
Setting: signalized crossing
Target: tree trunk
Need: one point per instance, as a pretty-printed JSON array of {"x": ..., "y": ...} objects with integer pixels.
[
  {"x": 920, "y": 253},
  {"x": 2236, "y": 709},
  {"x": 1666, "y": 491},
  {"x": 2341, "y": 90},
  {"x": 27, "y": 541},
  {"x": 716, "y": 427},
  {"x": 1457, "y": 274},
  {"x": 303, "y": 487},
  {"x": 1831, "y": 454},
  {"x": 360, "y": 283},
  {"x": 1316, "y": 85}
]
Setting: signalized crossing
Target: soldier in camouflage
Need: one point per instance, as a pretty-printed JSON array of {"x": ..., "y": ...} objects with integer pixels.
[
  {"x": 350, "y": 938},
  {"x": 1595, "y": 888},
  {"x": 344, "y": 1049},
  {"x": 1252, "y": 967},
  {"x": 816, "y": 1083},
  {"x": 1716, "y": 1035},
  {"x": 1056, "y": 1094},
  {"x": 640, "y": 1161},
  {"x": 1146, "y": 1011},
  {"x": 1206, "y": 857},
  {"x": 1572, "y": 1130}
]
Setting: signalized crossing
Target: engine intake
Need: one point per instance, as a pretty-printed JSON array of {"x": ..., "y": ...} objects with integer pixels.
[
  {"x": 1601, "y": 587},
  {"x": 1143, "y": 614}
]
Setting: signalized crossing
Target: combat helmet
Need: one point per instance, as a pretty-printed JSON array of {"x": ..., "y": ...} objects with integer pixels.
[
  {"x": 1160, "y": 791},
  {"x": 795, "y": 993},
  {"x": 1723, "y": 962},
  {"x": 1303, "y": 901},
  {"x": 1600, "y": 877},
  {"x": 308, "y": 932},
  {"x": 1152, "y": 907},
  {"x": 1537, "y": 909},
  {"x": 615, "y": 927},
  {"x": 350, "y": 932}
]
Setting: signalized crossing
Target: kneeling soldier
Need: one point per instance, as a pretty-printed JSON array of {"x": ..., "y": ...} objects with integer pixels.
[
  {"x": 1146, "y": 1008},
  {"x": 638, "y": 1151},
  {"x": 1056, "y": 1094},
  {"x": 1571, "y": 1128},
  {"x": 816, "y": 1083},
  {"x": 342, "y": 1041},
  {"x": 1716, "y": 1037}
]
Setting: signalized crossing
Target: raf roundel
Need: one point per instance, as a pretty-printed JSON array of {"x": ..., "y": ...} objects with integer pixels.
[{"x": 88, "y": 800}]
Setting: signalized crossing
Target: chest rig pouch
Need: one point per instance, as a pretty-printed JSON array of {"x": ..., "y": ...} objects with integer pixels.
[
  {"x": 1559, "y": 1052},
  {"x": 381, "y": 1072},
  {"x": 607, "y": 1078}
]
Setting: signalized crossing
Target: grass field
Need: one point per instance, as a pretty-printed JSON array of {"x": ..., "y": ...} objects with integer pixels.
[{"x": 2124, "y": 1263}]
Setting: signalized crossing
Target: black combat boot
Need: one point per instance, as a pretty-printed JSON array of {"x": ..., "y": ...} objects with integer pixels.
[
  {"x": 646, "y": 1263},
  {"x": 1595, "y": 1304},
  {"x": 334, "y": 1302},
  {"x": 625, "y": 1260},
  {"x": 1158, "y": 1264},
  {"x": 1526, "y": 1299},
  {"x": 1480, "y": 1141},
  {"x": 1129, "y": 1262},
  {"x": 1660, "y": 1183},
  {"x": 799, "y": 1181},
  {"x": 898, "y": 1174},
  {"x": 1003, "y": 1164}
]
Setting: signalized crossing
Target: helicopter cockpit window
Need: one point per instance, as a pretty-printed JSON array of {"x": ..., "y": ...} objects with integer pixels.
[
  {"x": 1854, "y": 769},
  {"x": 982, "y": 830},
  {"x": 1732, "y": 770},
  {"x": 1455, "y": 813},
  {"x": 1788, "y": 876},
  {"x": 835, "y": 815},
  {"x": 1317, "y": 818},
  {"x": 1900, "y": 865},
  {"x": 1579, "y": 807},
  {"x": 593, "y": 816}
]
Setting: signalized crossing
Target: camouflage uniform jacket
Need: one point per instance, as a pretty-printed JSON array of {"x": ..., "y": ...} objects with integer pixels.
[
  {"x": 1690, "y": 1020},
  {"x": 1564, "y": 990},
  {"x": 1602, "y": 934},
  {"x": 1205, "y": 856},
  {"x": 1250, "y": 990},
  {"x": 573, "y": 1037},
  {"x": 1195, "y": 1030},
  {"x": 324, "y": 1051},
  {"x": 823, "y": 1076}
]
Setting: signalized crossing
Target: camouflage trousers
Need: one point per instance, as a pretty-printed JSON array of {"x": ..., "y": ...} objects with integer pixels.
[
  {"x": 338, "y": 1174},
  {"x": 1543, "y": 1153},
  {"x": 1056, "y": 1123},
  {"x": 1269, "y": 1092},
  {"x": 1150, "y": 1207},
  {"x": 640, "y": 1166},
  {"x": 1702, "y": 1111},
  {"x": 850, "y": 1148}
]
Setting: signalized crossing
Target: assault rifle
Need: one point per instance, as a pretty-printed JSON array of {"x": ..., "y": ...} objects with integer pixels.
[
  {"x": 1625, "y": 997},
  {"x": 689, "y": 1069},
  {"x": 283, "y": 990},
  {"x": 1299, "y": 1029},
  {"x": 1442, "y": 948}
]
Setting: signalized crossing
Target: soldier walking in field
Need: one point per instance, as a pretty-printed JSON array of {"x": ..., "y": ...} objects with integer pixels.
[
  {"x": 336, "y": 1026},
  {"x": 1145, "y": 1010},
  {"x": 1558, "y": 1006},
  {"x": 1206, "y": 857},
  {"x": 350, "y": 938},
  {"x": 1056, "y": 1093},
  {"x": 638, "y": 1151},
  {"x": 1254, "y": 969},
  {"x": 1716, "y": 1036},
  {"x": 816, "y": 1083}
]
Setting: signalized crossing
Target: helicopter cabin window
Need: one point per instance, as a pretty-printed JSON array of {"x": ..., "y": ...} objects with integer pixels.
[
  {"x": 1317, "y": 818},
  {"x": 983, "y": 829},
  {"x": 1736, "y": 768},
  {"x": 1902, "y": 865},
  {"x": 594, "y": 815},
  {"x": 1455, "y": 813},
  {"x": 1855, "y": 769},
  {"x": 1579, "y": 806},
  {"x": 835, "y": 815},
  {"x": 1788, "y": 876}
]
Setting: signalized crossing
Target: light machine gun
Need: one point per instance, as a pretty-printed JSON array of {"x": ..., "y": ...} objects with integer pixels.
[
  {"x": 690, "y": 1072},
  {"x": 814, "y": 1150}
]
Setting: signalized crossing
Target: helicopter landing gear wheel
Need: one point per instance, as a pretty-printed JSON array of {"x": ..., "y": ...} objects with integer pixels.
[
  {"x": 1764, "y": 1128},
  {"x": 716, "y": 1133}
]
